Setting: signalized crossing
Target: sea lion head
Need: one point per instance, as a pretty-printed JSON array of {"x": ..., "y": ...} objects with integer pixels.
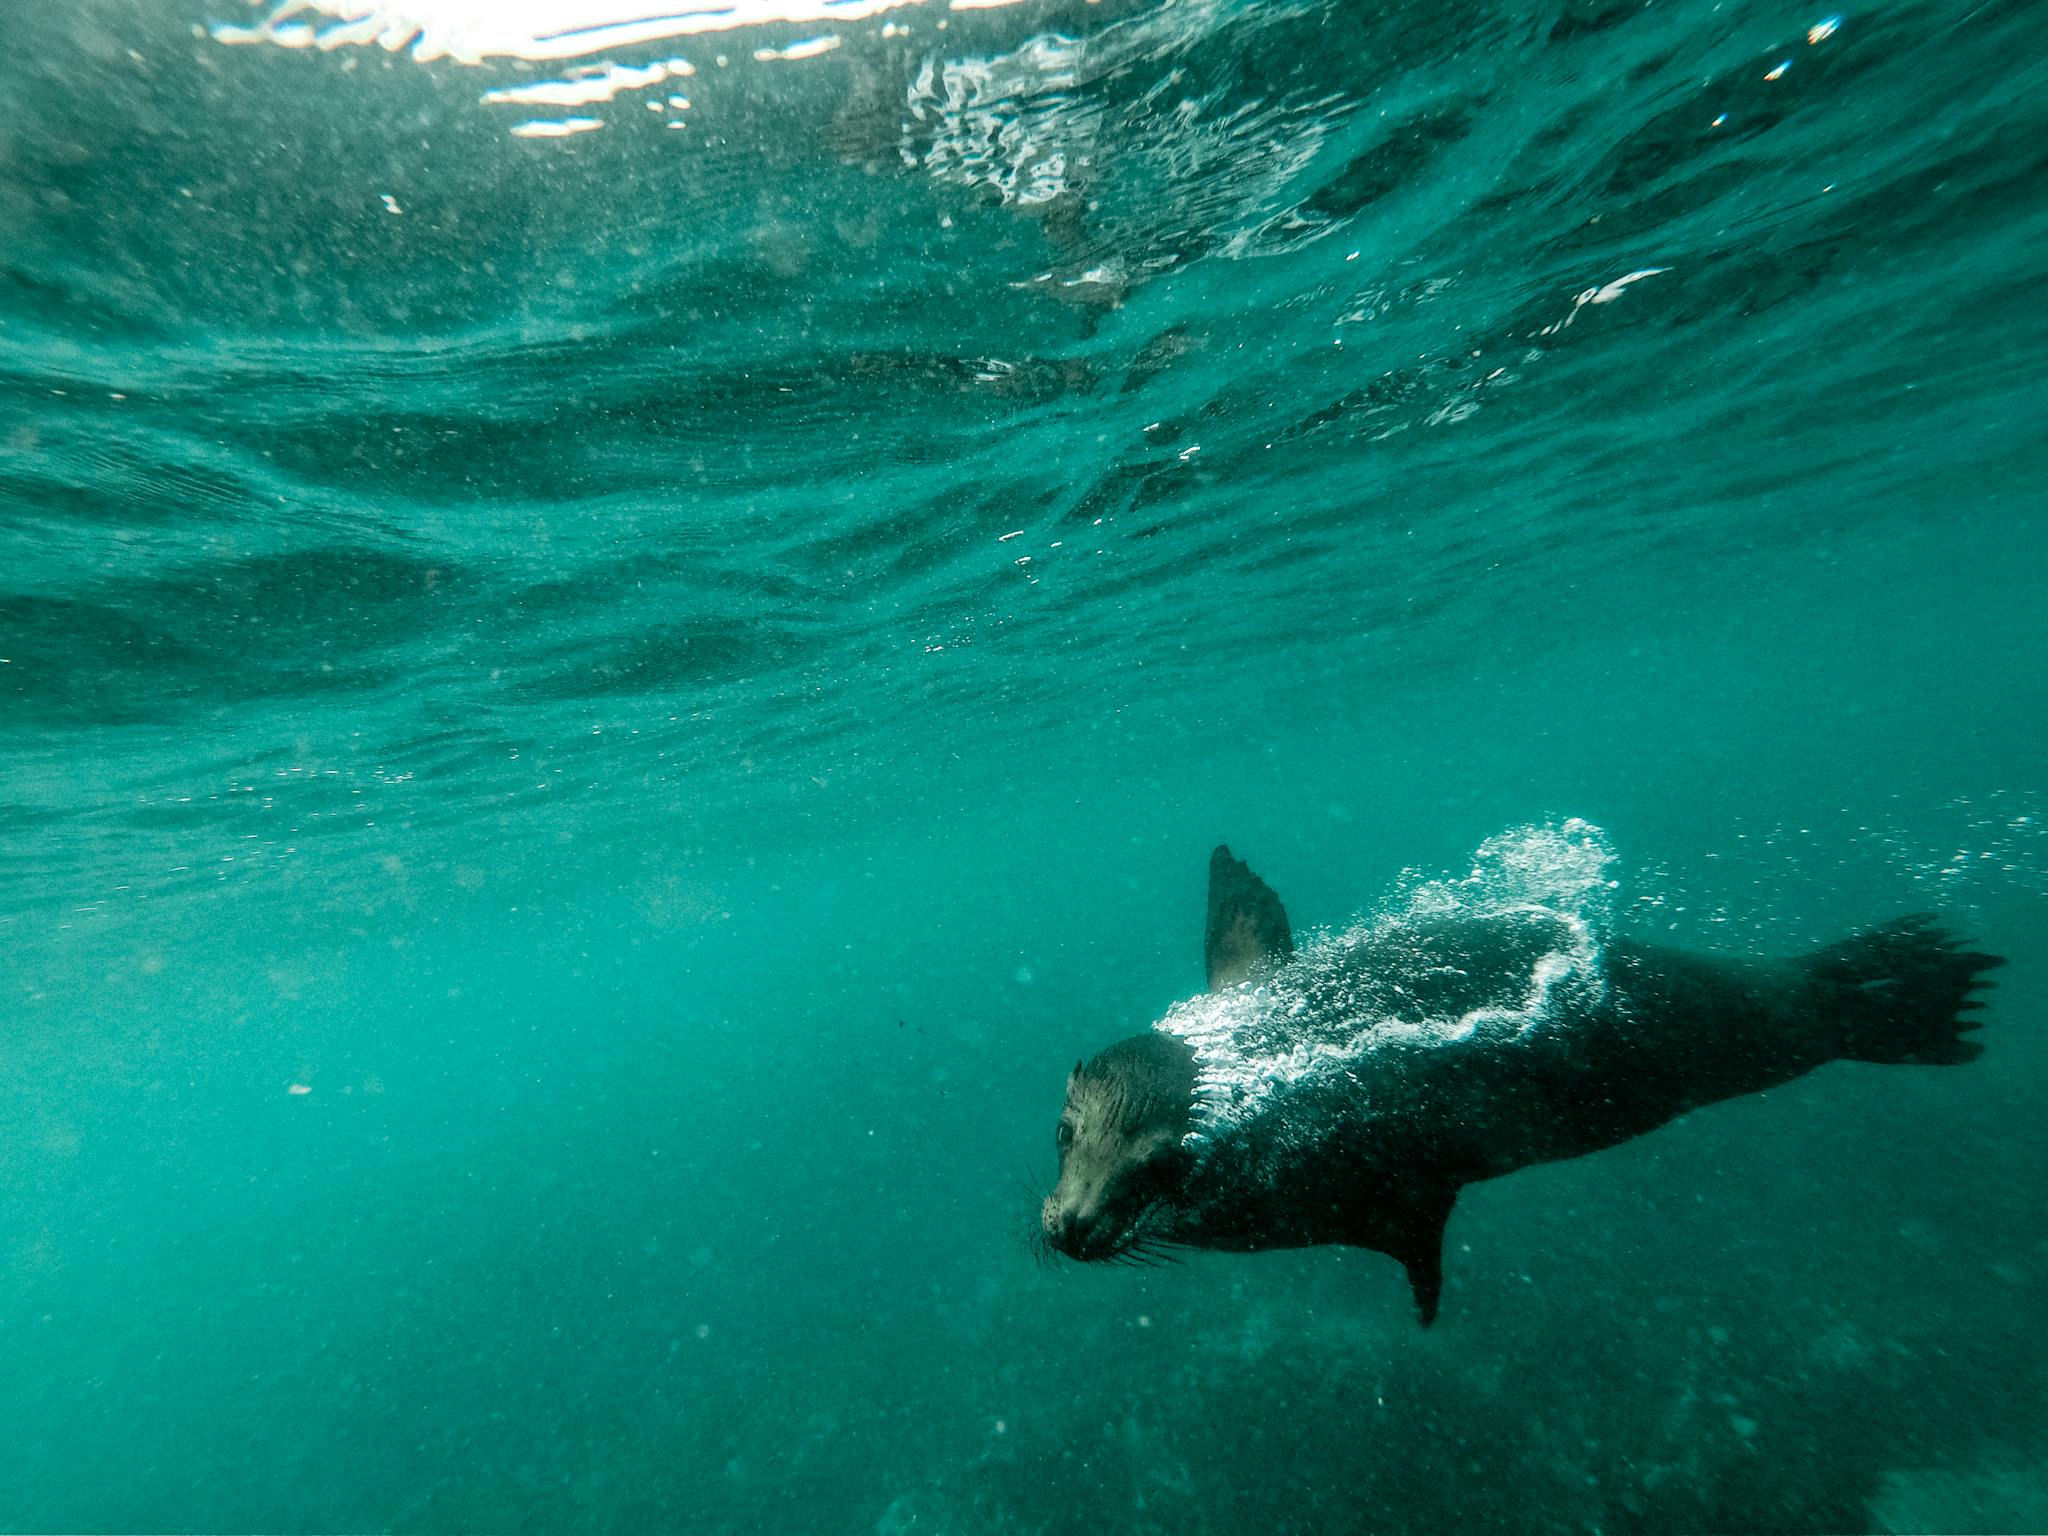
[{"x": 1122, "y": 1162}]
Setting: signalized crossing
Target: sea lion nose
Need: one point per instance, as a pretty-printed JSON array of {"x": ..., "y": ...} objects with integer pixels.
[{"x": 1072, "y": 1231}]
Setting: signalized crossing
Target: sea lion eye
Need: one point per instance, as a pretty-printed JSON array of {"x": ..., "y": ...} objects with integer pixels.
[{"x": 1063, "y": 1138}]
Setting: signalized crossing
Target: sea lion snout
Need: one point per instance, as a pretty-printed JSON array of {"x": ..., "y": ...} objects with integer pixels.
[
  {"x": 1073, "y": 1216},
  {"x": 1089, "y": 1224},
  {"x": 1071, "y": 1231}
]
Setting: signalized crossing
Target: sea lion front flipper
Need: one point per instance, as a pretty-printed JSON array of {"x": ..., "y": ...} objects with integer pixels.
[
  {"x": 1246, "y": 922},
  {"x": 1419, "y": 1246}
]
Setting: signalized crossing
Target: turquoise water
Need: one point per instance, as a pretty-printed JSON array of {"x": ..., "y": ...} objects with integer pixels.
[{"x": 591, "y": 717}]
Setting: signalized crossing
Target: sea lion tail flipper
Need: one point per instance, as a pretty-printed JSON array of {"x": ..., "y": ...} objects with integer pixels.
[
  {"x": 1246, "y": 923},
  {"x": 1902, "y": 993}
]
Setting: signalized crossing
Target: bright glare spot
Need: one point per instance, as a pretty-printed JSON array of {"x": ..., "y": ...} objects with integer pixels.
[
  {"x": 1612, "y": 291},
  {"x": 810, "y": 48},
  {"x": 470, "y": 31},
  {"x": 299, "y": 1090},
  {"x": 1779, "y": 72},
  {"x": 542, "y": 128},
  {"x": 588, "y": 85},
  {"x": 1821, "y": 31},
  {"x": 1606, "y": 293}
]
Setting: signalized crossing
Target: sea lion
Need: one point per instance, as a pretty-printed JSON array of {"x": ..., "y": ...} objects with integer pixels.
[{"x": 1346, "y": 1093}]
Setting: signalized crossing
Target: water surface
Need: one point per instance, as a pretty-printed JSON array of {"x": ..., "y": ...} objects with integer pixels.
[{"x": 617, "y": 645}]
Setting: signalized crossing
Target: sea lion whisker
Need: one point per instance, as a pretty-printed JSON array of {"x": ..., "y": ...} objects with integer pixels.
[
  {"x": 1035, "y": 1241},
  {"x": 1158, "y": 1249}
]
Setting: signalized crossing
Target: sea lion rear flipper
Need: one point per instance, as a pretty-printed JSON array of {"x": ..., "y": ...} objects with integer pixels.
[
  {"x": 1246, "y": 922},
  {"x": 1902, "y": 993}
]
